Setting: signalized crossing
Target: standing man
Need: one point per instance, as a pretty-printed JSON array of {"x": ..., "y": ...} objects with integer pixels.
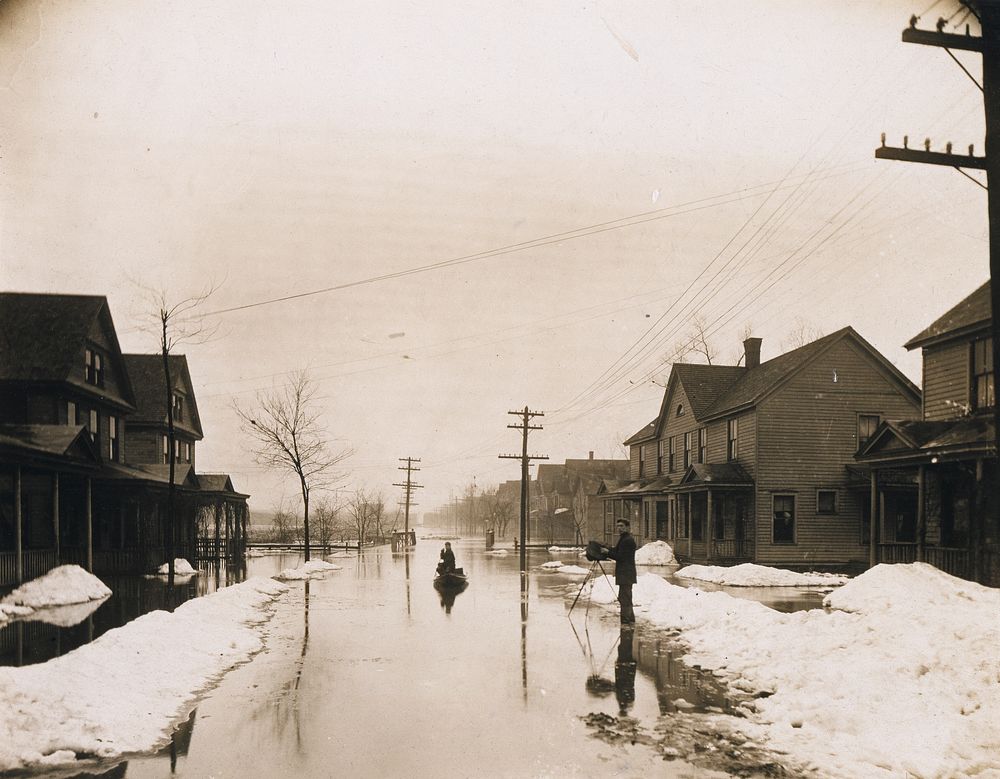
[{"x": 623, "y": 553}]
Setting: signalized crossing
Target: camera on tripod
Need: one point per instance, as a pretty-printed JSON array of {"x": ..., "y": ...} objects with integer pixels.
[{"x": 596, "y": 551}]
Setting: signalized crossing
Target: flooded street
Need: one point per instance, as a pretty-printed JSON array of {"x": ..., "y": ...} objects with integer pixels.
[{"x": 371, "y": 671}]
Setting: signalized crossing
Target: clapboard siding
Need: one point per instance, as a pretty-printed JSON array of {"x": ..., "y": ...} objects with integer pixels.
[
  {"x": 946, "y": 381},
  {"x": 807, "y": 433}
]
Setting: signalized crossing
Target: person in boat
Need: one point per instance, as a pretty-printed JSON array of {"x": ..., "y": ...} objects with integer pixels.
[
  {"x": 447, "y": 564},
  {"x": 623, "y": 553}
]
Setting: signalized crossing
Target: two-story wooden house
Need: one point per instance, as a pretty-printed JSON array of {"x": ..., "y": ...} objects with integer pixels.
[
  {"x": 567, "y": 510},
  {"x": 750, "y": 463},
  {"x": 75, "y": 484},
  {"x": 933, "y": 476}
]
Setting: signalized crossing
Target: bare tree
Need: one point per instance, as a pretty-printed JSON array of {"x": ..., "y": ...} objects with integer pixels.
[
  {"x": 365, "y": 511},
  {"x": 288, "y": 435},
  {"x": 326, "y": 517},
  {"x": 803, "y": 332},
  {"x": 174, "y": 324},
  {"x": 695, "y": 341}
]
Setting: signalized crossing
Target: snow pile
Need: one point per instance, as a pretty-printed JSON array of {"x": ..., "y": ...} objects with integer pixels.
[
  {"x": 901, "y": 676},
  {"x": 750, "y": 575},
  {"x": 62, "y": 586},
  {"x": 306, "y": 571},
  {"x": 496, "y": 552},
  {"x": 122, "y": 692},
  {"x": 558, "y": 566},
  {"x": 558, "y": 549},
  {"x": 181, "y": 568},
  {"x": 9, "y": 611},
  {"x": 655, "y": 553}
]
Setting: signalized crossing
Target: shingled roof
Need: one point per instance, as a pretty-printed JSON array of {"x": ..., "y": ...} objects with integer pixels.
[
  {"x": 149, "y": 383},
  {"x": 971, "y": 314},
  {"x": 42, "y": 336},
  {"x": 705, "y": 384}
]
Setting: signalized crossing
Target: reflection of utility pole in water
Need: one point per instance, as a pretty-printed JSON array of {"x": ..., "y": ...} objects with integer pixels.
[
  {"x": 524, "y": 633},
  {"x": 525, "y": 459},
  {"x": 407, "y": 558}
]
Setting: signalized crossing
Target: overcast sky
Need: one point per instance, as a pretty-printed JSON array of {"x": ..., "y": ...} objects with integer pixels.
[{"x": 722, "y": 155}]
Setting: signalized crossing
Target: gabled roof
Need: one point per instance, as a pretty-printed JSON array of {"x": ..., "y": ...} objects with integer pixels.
[
  {"x": 218, "y": 483},
  {"x": 42, "y": 336},
  {"x": 705, "y": 384},
  {"x": 637, "y": 488},
  {"x": 52, "y": 442},
  {"x": 757, "y": 383},
  {"x": 149, "y": 381},
  {"x": 971, "y": 314}
]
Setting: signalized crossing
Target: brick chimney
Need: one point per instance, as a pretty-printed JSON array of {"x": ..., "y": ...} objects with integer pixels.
[
  {"x": 751, "y": 350},
  {"x": 592, "y": 455}
]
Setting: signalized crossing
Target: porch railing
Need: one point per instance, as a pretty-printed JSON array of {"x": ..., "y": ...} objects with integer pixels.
[
  {"x": 36, "y": 563},
  {"x": 731, "y": 549},
  {"x": 951, "y": 560},
  {"x": 896, "y": 553}
]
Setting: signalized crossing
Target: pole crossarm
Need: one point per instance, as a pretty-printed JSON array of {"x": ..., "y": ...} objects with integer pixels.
[
  {"x": 930, "y": 157},
  {"x": 943, "y": 40}
]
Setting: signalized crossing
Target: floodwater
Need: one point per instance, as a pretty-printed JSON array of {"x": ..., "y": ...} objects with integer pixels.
[{"x": 372, "y": 672}]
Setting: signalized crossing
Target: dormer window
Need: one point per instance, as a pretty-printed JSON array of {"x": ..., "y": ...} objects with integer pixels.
[
  {"x": 93, "y": 367},
  {"x": 680, "y": 409},
  {"x": 983, "y": 393},
  {"x": 178, "y": 407}
]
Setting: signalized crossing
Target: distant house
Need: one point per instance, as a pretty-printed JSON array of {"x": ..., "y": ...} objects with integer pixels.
[
  {"x": 565, "y": 502},
  {"x": 75, "y": 484},
  {"x": 932, "y": 477},
  {"x": 751, "y": 463}
]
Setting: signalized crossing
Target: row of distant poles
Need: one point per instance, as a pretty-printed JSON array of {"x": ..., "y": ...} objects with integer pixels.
[
  {"x": 988, "y": 45},
  {"x": 525, "y": 425},
  {"x": 408, "y": 487}
]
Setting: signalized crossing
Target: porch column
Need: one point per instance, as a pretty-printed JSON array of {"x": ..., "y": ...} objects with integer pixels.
[
  {"x": 88, "y": 499},
  {"x": 218, "y": 509},
  {"x": 921, "y": 512},
  {"x": 873, "y": 521},
  {"x": 977, "y": 540},
  {"x": 55, "y": 513},
  {"x": 690, "y": 524},
  {"x": 18, "y": 528},
  {"x": 710, "y": 527}
]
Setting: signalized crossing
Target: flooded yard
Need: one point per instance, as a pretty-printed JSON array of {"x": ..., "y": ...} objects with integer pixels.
[{"x": 372, "y": 671}]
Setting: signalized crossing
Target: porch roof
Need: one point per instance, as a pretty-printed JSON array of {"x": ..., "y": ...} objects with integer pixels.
[
  {"x": 918, "y": 441},
  {"x": 709, "y": 475},
  {"x": 637, "y": 488},
  {"x": 55, "y": 444},
  {"x": 218, "y": 484}
]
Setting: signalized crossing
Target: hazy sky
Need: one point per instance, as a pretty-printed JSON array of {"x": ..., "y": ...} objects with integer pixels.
[{"x": 725, "y": 151}]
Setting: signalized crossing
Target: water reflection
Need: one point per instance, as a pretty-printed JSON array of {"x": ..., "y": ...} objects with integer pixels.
[
  {"x": 447, "y": 593},
  {"x": 625, "y": 671}
]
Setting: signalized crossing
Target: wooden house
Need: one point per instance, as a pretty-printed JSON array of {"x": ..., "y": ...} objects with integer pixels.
[
  {"x": 565, "y": 500},
  {"x": 751, "y": 463},
  {"x": 933, "y": 477},
  {"x": 75, "y": 485}
]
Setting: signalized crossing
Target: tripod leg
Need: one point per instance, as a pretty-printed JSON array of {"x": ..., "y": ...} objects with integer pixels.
[
  {"x": 617, "y": 597},
  {"x": 587, "y": 578}
]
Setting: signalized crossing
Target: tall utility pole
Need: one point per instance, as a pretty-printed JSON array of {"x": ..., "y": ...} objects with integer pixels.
[
  {"x": 988, "y": 45},
  {"x": 408, "y": 487},
  {"x": 525, "y": 459}
]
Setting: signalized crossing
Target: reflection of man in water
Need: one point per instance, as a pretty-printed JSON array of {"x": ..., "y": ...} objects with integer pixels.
[{"x": 625, "y": 673}]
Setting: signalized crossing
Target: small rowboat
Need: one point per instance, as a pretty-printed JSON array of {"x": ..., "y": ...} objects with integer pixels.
[{"x": 454, "y": 578}]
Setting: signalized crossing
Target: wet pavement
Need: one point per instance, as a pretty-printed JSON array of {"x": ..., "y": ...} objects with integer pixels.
[{"x": 373, "y": 672}]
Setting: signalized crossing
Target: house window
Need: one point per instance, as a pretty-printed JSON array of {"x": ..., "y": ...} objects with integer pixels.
[
  {"x": 187, "y": 452},
  {"x": 93, "y": 367},
  {"x": 178, "y": 407},
  {"x": 783, "y": 531},
  {"x": 983, "y": 393},
  {"x": 732, "y": 439},
  {"x": 642, "y": 461},
  {"x": 867, "y": 424},
  {"x": 164, "y": 449},
  {"x": 659, "y": 457},
  {"x": 702, "y": 443},
  {"x": 70, "y": 413},
  {"x": 697, "y": 520},
  {"x": 687, "y": 450},
  {"x": 92, "y": 424},
  {"x": 680, "y": 409},
  {"x": 719, "y": 520},
  {"x": 113, "y": 438},
  {"x": 645, "y": 518},
  {"x": 682, "y": 516},
  {"x": 826, "y": 501},
  {"x": 177, "y": 450},
  {"x": 670, "y": 453}
]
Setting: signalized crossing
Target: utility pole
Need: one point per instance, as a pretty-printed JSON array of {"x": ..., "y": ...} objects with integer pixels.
[
  {"x": 526, "y": 415},
  {"x": 988, "y": 45},
  {"x": 408, "y": 487}
]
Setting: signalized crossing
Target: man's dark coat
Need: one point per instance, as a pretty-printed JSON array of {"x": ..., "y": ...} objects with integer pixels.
[{"x": 623, "y": 553}]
